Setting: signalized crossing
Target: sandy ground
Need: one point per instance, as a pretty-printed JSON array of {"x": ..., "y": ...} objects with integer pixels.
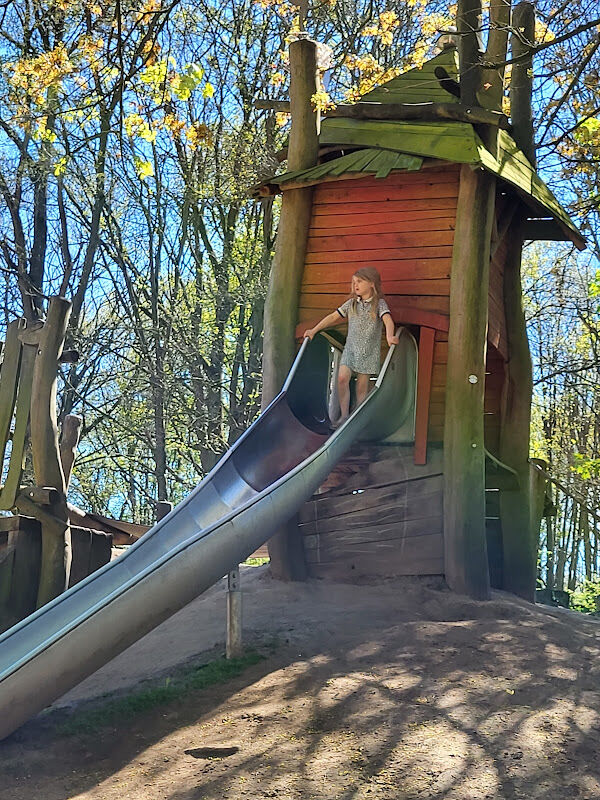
[{"x": 395, "y": 690}]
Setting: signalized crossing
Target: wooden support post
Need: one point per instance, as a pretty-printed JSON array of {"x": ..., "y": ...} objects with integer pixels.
[
  {"x": 425, "y": 369},
  {"x": 466, "y": 567},
  {"x": 233, "y": 647},
  {"x": 493, "y": 78},
  {"x": 71, "y": 431},
  {"x": 519, "y": 541},
  {"x": 281, "y": 307},
  {"x": 9, "y": 378},
  {"x": 47, "y": 465},
  {"x": 468, "y": 25},
  {"x": 521, "y": 81},
  {"x": 163, "y": 507}
]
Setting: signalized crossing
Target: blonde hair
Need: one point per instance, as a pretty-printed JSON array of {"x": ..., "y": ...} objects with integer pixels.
[{"x": 372, "y": 275}]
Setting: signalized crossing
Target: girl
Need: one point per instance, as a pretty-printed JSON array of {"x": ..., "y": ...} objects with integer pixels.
[{"x": 367, "y": 312}]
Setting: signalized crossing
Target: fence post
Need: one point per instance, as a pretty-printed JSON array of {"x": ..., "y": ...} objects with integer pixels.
[
  {"x": 162, "y": 508},
  {"x": 233, "y": 648}
]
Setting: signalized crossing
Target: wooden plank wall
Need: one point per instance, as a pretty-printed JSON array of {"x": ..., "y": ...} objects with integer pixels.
[
  {"x": 404, "y": 226},
  {"x": 377, "y": 515}
]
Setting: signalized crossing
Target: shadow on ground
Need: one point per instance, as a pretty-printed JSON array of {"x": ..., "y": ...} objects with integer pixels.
[{"x": 450, "y": 699}]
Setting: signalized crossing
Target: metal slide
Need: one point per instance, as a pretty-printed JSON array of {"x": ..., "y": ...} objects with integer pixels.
[{"x": 275, "y": 466}]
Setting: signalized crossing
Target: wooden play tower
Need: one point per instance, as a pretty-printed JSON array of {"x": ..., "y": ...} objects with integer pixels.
[{"x": 429, "y": 182}]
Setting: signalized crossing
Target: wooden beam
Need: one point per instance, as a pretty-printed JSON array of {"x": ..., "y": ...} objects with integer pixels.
[
  {"x": 492, "y": 89},
  {"x": 16, "y": 465},
  {"x": 423, "y": 112},
  {"x": 47, "y": 466},
  {"x": 521, "y": 81},
  {"x": 546, "y": 230},
  {"x": 281, "y": 306},
  {"x": 403, "y": 315},
  {"x": 519, "y": 541},
  {"x": 425, "y": 369},
  {"x": 468, "y": 25},
  {"x": 281, "y": 106},
  {"x": 71, "y": 431},
  {"x": 9, "y": 378},
  {"x": 233, "y": 641},
  {"x": 466, "y": 567}
]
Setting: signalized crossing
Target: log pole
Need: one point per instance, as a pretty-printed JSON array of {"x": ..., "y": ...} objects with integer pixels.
[
  {"x": 71, "y": 431},
  {"x": 281, "y": 307},
  {"x": 521, "y": 81},
  {"x": 47, "y": 466},
  {"x": 162, "y": 508},
  {"x": 466, "y": 565},
  {"x": 468, "y": 26},
  {"x": 492, "y": 88},
  {"x": 233, "y": 645},
  {"x": 519, "y": 540}
]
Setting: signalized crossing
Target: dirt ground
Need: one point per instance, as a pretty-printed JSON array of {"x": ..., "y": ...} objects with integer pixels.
[{"x": 395, "y": 690}]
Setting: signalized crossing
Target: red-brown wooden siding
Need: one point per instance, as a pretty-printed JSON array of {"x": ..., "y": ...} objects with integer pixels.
[{"x": 402, "y": 225}]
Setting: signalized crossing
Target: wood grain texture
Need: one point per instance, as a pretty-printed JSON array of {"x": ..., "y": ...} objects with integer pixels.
[
  {"x": 402, "y": 269},
  {"x": 381, "y": 241},
  {"x": 323, "y": 208},
  {"x": 424, "y": 380},
  {"x": 324, "y": 303},
  {"x": 340, "y": 506},
  {"x": 415, "y": 227},
  {"x": 433, "y": 288},
  {"x": 424, "y": 537},
  {"x": 388, "y": 505},
  {"x": 406, "y": 180},
  {"x": 356, "y": 566},
  {"x": 333, "y": 193},
  {"x": 392, "y": 526},
  {"x": 376, "y": 254},
  {"x": 464, "y": 469},
  {"x": 406, "y": 218},
  {"x": 373, "y": 471}
]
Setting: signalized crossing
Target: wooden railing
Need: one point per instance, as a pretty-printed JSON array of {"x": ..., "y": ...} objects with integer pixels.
[{"x": 16, "y": 382}]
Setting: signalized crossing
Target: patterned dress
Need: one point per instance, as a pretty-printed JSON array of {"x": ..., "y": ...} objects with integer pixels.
[{"x": 362, "y": 353}]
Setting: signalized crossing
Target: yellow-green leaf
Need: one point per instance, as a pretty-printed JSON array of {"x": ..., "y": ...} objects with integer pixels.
[{"x": 144, "y": 169}]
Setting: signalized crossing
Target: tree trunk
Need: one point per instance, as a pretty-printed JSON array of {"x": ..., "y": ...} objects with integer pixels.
[
  {"x": 496, "y": 52},
  {"x": 468, "y": 24},
  {"x": 47, "y": 465},
  {"x": 281, "y": 307},
  {"x": 521, "y": 82},
  {"x": 519, "y": 541},
  {"x": 466, "y": 565}
]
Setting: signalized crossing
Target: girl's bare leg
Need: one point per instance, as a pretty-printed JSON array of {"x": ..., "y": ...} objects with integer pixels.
[
  {"x": 363, "y": 384},
  {"x": 344, "y": 375}
]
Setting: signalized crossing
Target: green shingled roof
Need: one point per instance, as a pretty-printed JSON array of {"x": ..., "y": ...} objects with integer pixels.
[
  {"x": 452, "y": 141},
  {"x": 377, "y": 162},
  {"x": 419, "y": 85},
  {"x": 384, "y": 146},
  {"x": 392, "y": 146}
]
